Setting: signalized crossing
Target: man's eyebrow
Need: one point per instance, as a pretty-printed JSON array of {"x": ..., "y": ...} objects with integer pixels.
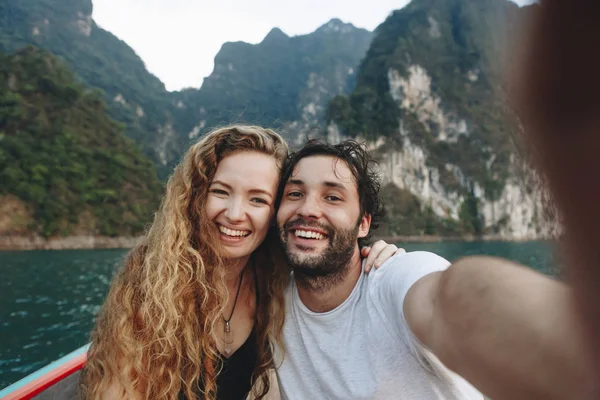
[
  {"x": 330, "y": 184},
  {"x": 336, "y": 185}
]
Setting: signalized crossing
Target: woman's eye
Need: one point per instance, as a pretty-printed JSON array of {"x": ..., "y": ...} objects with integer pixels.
[
  {"x": 259, "y": 200},
  {"x": 218, "y": 191}
]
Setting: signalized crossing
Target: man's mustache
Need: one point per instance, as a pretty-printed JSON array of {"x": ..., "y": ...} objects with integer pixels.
[{"x": 307, "y": 223}]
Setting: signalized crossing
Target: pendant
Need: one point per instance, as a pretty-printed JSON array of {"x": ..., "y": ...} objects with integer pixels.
[
  {"x": 227, "y": 327},
  {"x": 227, "y": 350}
]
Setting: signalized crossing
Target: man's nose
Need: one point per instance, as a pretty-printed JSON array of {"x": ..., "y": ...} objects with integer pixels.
[{"x": 310, "y": 207}]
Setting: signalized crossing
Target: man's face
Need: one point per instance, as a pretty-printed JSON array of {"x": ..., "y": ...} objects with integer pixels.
[{"x": 319, "y": 217}]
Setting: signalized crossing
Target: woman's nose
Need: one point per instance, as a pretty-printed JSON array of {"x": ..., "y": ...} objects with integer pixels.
[{"x": 235, "y": 211}]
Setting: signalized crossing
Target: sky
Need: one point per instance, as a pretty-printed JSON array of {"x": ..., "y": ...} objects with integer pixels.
[{"x": 179, "y": 39}]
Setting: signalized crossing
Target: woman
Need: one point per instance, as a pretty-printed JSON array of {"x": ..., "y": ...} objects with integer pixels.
[{"x": 192, "y": 312}]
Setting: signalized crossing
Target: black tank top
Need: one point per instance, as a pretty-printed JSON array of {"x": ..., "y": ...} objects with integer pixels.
[{"x": 235, "y": 380}]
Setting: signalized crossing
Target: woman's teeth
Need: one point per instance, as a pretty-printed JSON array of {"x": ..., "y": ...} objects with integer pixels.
[
  {"x": 231, "y": 232},
  {"x": 309, "y": 234}
]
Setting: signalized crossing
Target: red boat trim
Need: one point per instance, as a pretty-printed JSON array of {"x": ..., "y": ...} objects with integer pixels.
[{"x": 41, "y": 380}]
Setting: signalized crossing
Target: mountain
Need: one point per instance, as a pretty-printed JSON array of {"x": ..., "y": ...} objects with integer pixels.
[
  {"x": 65, "y": 167},
  {"x": 65, "y": 28},
  {"x": 283, "y": 82},
  {"x": 427, "y": 90},
  {"x": 431, "y": 98}
]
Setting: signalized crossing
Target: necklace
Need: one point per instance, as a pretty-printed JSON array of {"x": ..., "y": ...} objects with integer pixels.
[{"x": 227, "y": 326}]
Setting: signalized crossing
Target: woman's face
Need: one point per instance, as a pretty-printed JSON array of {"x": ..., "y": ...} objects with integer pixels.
[{"x": 241, "y": 201}]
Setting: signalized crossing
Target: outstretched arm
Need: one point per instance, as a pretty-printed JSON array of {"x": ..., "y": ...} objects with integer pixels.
[{"x": 507, "y": 329}]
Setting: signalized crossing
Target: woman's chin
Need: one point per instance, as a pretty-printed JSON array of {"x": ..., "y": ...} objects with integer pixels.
[
  {"x": 240, "y": 248},
  {"x": 237, "y": 254}
]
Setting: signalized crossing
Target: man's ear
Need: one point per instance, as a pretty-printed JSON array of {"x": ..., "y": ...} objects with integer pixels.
[{"x": 364, "y": 226}]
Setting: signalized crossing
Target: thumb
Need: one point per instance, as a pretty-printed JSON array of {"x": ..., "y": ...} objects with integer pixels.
[{"x": 365, "y": 251}]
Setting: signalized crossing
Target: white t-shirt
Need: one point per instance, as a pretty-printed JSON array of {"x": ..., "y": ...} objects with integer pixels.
[{"x": 363, "y": 349}]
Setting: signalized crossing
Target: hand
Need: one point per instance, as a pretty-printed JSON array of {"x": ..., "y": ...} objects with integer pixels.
[{"x": 379, "y": 253}]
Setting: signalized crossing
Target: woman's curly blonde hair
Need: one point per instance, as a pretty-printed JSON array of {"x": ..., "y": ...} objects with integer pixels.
[{"x": 155, "y": 335}]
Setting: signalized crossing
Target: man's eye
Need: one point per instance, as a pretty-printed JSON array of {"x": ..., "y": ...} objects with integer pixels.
[
  {"x": 332, "y": 198},
  {"x": 294, "y": 194}
]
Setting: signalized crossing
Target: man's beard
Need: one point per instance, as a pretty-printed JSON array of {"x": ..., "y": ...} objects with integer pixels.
[{"x": 322, "y": 271}]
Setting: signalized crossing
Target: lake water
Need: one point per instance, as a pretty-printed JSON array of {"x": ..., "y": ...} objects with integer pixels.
[{"x": 49, "y": 299}]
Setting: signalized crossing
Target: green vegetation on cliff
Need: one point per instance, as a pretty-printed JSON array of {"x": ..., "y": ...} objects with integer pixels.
[
  {"x": 65, "y": 28},
  {"x": 407, "y": 215},
  {"x": 63, "y": 157}
]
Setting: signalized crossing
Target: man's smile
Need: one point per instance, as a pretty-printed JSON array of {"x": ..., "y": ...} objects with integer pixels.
[{"x": 309, "y": 234}]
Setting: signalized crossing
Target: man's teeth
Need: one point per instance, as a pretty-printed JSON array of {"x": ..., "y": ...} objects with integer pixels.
[
  {"x": 231, "y": 232},
  {"x": 309, "y": 234}
]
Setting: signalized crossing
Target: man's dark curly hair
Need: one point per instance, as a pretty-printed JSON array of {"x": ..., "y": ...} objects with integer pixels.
[{"x": 363, "y": 169}]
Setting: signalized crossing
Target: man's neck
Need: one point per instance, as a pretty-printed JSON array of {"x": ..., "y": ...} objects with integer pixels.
[{"x": 327, "y": 297}]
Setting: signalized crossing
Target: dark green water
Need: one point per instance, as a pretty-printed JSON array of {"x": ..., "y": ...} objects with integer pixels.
[{"x": 48, "y": 299}]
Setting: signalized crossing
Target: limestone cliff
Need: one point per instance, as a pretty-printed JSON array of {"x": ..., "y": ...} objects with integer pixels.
[{"x": 431, "y": 101}]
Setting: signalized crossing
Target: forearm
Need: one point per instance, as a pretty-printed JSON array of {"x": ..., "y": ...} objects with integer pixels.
[{"x": 510, "y": 331}]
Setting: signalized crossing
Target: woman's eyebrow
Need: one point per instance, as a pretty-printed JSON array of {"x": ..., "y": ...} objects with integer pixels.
[
  {"x": 262, "y": 191},
  {"x": 221, "y": 183}
]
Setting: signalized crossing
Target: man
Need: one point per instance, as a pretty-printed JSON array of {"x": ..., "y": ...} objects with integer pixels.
[{"x": 383, "y": 335}]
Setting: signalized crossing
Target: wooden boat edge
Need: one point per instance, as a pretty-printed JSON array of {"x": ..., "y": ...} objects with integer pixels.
[{"x": 42, "y": 379}]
